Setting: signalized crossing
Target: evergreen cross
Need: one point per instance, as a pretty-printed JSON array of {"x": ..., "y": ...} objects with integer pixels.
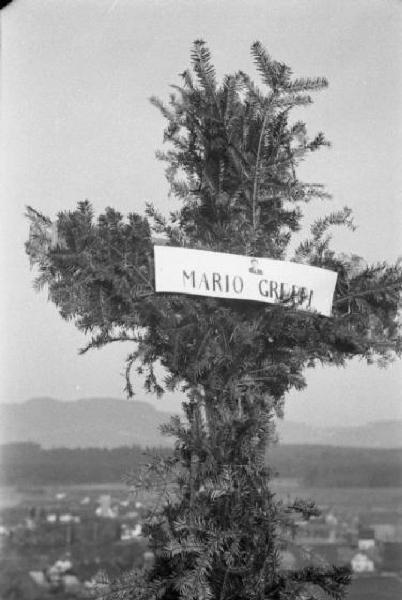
[{"x": 219, "y": 531}]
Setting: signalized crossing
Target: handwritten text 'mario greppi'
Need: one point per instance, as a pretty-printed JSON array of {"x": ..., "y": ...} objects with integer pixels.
[{"x": 274, "y": 290}]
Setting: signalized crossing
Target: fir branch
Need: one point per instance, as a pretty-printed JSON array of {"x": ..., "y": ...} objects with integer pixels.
[{"x": 370, "y": 292}]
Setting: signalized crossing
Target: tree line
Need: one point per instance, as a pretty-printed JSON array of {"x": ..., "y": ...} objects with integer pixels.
[{"x": 326, "y": 466}]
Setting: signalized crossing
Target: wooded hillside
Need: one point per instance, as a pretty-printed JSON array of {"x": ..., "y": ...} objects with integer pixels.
[{"x": 314, "y": 465}]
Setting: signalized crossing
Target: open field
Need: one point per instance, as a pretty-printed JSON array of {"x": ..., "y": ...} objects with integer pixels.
[
  {"x": 375, "y": 588},
  {"x": 355, "y": 499},
  {"x": 359, "y": 499}
]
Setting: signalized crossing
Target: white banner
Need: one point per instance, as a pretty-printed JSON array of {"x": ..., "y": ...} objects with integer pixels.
[{"x": 221, "y": 275}]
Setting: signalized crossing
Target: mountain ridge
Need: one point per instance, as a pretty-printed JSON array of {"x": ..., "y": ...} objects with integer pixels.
[{"x": 112, "y": 422}]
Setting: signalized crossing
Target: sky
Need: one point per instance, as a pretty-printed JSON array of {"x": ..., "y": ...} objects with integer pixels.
[{"x": 76, "y": 123}]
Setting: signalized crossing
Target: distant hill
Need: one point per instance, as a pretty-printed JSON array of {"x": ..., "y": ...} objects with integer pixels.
[
  {"x": 92, "y": 422},
  {"x": 378, "y": 434},
  {"x": 110, "y": 422}
]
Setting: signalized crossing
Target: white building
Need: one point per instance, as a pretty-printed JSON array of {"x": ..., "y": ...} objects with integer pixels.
[
  {"x": 129, "y": 533},
  {"x": 71, "y": 582},
  {"x": 366, "y": 539},
  {"x": 105, "y": 507},
  {"x": 366, "y": 543},
  {"x": 39, "y": 578},
  {"x": 51, "y": 518},
  {"x": 68, "y": 518},
  {"x": 331, "y": 519},
  {"x": 361, "y": 563}
]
